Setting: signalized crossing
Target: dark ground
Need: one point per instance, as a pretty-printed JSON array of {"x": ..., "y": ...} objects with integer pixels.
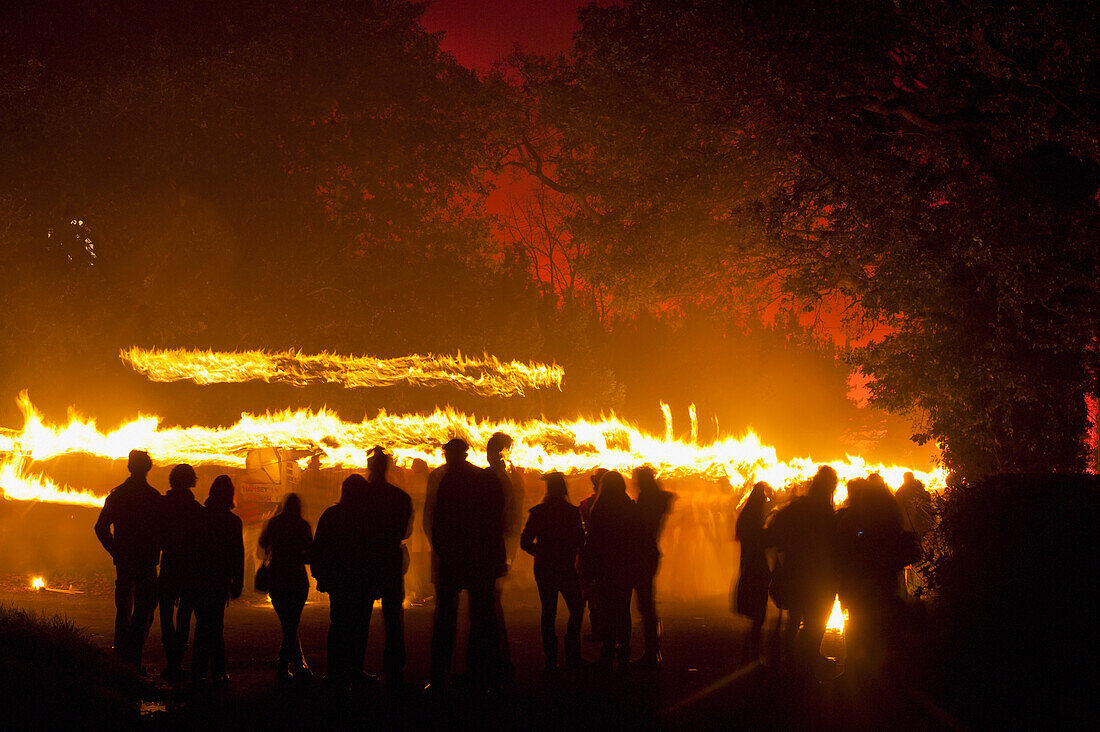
[{"x": 698, "y": 685}]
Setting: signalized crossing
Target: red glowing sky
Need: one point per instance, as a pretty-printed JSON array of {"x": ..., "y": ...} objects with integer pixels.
[{"x": 479, "y": 32}]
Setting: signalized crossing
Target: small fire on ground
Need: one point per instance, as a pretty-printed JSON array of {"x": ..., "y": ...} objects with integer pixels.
[
  {"x": 836, "y": 618},
  {"x": 38, "y": 583}
]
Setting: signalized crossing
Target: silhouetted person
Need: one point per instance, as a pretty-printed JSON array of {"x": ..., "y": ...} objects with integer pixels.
[
  {"x": 389, "y": 516},
  {"x": 218, "y": 578},
  {"x": 182, "y": 517},
  {"x": 654, "y": 505},
  {"x": 751, "y": 593},
  {"x": 869, "y": 532},
  {"x": 554, "y": 536},
  {"x": 847, "y": 522},
  {"x": 613, "y": 550},
  {"x": 341, "y": 565},
  {"x": 420, "y": 559},
  {"x": 499, "y": 471},
  {"x": 588, "y": 587},
  {"x": 803, "y": 534},
  {"x": 286, "y": 541},
  {"x": 588, "y": 502},
  {"x": 915, "y": 503},
  {"x": 467, "y": 535},
  {"x": 129, "y": 527}
]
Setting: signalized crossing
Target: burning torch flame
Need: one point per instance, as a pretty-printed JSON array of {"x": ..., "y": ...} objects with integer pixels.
[
  {"x": 486, "y": 375},
  {"x": 38, "y": 583},
  {"x": 836, "y": 618},
  {"x": 570, "y": 446}
]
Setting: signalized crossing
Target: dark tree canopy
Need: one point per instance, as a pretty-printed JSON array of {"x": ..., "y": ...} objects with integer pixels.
[
  {"x": 317, "y": 175},
  {"x": 935, "y": 165}
]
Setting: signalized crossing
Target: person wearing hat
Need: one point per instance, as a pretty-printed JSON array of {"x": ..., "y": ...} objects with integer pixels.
[
  {"x": 466, "y": 529},
  {"x": 129, "y": 527},
  {"x": 554, "y": 535}
]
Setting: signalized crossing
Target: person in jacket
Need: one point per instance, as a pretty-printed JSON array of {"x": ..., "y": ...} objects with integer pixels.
[
  {"x": 129, "y": 528},
  {"x": 467, "y": 535},
  {"x": 802, "y": 532},
  {"x": 614, "y": 549},
  {"x": 588, "y": 588},
  {"x": 553, "y": 535},
  {"x": 754, "y": 577},
  {"x": 341, "y": 565},
  {"x": 182, "y": 522},
  {"x": 285, "y": 541},
  {"x": 389, "y": 524},
  {"x": 869, "y": 539},
  {"x": 219, "y": 577},
  {"x": 511, "y": 485},
  {"x": 654, "y": 505}
]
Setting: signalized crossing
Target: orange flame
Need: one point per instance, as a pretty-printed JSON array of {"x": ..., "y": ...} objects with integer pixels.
[
  {"x": 487, "y": 375},
  {"x": 570, "y": 446},
  {"x": 38, "y": 583},
  {"x": 837, "y": 618}
]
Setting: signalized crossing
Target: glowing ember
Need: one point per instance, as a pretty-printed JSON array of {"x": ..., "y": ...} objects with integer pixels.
[
  {"x": 38, "y": 583},
  {"x": 836, "y": 618},
  {"x": 569, "y": 446},
  {"x": 486, "y": 375}
]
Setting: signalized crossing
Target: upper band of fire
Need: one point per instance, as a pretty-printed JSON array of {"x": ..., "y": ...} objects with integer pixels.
[{"x": 487, "y": 375}]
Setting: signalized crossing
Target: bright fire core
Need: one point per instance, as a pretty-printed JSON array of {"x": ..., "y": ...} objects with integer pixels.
[{"x": 569, "y": 446}]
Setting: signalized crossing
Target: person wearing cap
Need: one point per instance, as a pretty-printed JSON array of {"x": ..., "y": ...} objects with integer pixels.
[
  {"x": 554, "y": 535},
  {"x": 466, "y": 530},
  {"x": 129, "y": 527}
]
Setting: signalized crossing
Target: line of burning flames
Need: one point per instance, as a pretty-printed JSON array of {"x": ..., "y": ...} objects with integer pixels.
[
  {"x": 487, "y": 375},
  {"x": 571, "y": 446}
]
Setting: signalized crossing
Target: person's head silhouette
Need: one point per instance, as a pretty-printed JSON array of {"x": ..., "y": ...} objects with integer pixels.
[
  {"x": 823, "y": 484},
  {"x": 182, "y": 477},
  {"x": 221, "y": 494},
  {"x": 139, "y": 463},
  {"x": 292, "y": 506},
  {"x": 377, "y": 464},
  {"x": 646, "y": 478},
  {"x": 612, "y": 484},
  {"x": 495, "y": 448},
  {"x": 596, "y": 478},
  {"x": 353, "y": 488},
  {"x": 455, "y": 451},
  {"x": 556, "y": 489}
]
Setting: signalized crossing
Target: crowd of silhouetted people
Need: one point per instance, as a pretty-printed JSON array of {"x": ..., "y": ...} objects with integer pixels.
[
  {"x": 200, "y": 550},
  {"x": 597, "y": 555},
  {"x": 804, "y": 555}
]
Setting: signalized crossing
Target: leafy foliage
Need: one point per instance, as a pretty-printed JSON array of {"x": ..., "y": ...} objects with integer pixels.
[{"x": 939, "y": 174}]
